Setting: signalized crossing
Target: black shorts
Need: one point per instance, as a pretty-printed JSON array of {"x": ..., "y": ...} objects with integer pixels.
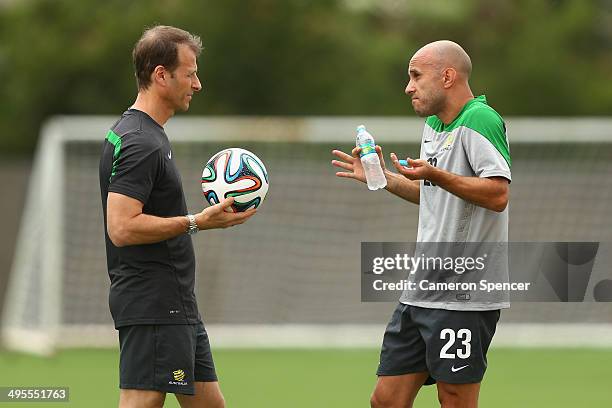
[
  {"x": 167, "y": 358},
  {"x": 450, "y": 345}
]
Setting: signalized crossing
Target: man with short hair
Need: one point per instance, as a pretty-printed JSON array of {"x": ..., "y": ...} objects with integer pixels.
[
  {"x": 461, "y": 184},
  {"x": 150, "y": 256}
]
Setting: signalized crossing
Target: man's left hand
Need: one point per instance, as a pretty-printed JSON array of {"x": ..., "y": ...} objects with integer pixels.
[{"x": 418, "y": 170}]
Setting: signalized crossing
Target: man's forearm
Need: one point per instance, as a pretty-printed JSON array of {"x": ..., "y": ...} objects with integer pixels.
[
  {"x": 148, "y": 229},
  {"x": 402, "y": 187},
  {"x": 481, "y": 191}
]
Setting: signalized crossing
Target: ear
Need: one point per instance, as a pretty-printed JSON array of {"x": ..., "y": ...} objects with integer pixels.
[
  {"x": 159, "y": 75},
  {"x": 449, "y": 75}
]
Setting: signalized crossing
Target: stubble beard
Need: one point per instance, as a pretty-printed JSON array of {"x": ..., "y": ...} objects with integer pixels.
[
  {"x": 432, "y": 105},
  {"x": 182, "y": 105}
]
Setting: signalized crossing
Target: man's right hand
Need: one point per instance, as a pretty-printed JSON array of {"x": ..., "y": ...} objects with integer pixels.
[
  {"x": 216, "y": 217},
  {"x": 353, "y": 163}
]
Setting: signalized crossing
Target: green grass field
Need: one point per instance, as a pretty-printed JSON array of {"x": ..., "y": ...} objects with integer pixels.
[{"x": 328, "y": 378}]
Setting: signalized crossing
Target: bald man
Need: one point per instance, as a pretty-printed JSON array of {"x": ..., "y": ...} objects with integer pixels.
[{"x": 461, "y": 184}]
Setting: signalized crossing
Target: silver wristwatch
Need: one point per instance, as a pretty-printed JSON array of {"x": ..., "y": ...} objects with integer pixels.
[{"x": 193, "y": 226}]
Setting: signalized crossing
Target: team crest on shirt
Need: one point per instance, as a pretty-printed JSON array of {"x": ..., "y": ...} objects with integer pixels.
[
  {"x": 179, "y": 378},
  {"x": 448, "y": 143}
]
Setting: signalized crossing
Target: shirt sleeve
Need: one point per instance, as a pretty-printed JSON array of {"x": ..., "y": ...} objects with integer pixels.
[
  {"x": 136, "y": 168},
  {"x": 486, "y": 145}
]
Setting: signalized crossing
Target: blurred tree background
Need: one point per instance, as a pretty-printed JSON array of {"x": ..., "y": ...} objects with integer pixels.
[{"x": 301, "y": 57}]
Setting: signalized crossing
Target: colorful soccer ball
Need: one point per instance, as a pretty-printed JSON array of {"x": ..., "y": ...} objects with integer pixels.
[{"x": 235, "y": 173}]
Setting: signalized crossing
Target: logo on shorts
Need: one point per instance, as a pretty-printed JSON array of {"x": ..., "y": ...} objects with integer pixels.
[
  {"x": 179, "y": 377},
  {"x": 454, "y": 370}
]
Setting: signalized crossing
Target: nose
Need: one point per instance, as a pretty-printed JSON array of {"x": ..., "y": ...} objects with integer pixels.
[
  {"x": 410, "y": 89},
  {"x": 196, "y": 84}
]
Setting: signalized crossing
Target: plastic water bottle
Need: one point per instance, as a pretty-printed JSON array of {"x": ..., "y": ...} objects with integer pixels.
[{"x": 369, "y": 159}]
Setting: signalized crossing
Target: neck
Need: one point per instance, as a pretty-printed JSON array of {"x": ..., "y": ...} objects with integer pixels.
[
  {"x": 154, "y": 106},
  {"x": 454, "y": 105}
]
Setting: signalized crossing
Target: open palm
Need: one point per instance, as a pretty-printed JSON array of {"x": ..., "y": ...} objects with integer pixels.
[{"x": 352, "y": 163}]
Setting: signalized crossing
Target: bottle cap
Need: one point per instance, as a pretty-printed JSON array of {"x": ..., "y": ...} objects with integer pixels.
[
  {"x": 361, "y": 128},
  {"x": 403, "y": 163}
]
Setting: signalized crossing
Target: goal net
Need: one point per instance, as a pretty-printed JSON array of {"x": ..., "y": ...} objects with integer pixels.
[{"x": 290, "y": 276}]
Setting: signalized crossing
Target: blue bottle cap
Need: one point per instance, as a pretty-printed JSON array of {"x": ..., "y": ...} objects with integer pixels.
[{"x": 403, "y": 163}]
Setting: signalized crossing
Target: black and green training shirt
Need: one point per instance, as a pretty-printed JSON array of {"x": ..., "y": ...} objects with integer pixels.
[{"x": 152, "y": 283}]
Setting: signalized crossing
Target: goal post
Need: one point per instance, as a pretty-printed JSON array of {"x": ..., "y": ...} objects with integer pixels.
[
  {"x": 31, "y": 314},
  {"x": 289, "y": 277}
]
